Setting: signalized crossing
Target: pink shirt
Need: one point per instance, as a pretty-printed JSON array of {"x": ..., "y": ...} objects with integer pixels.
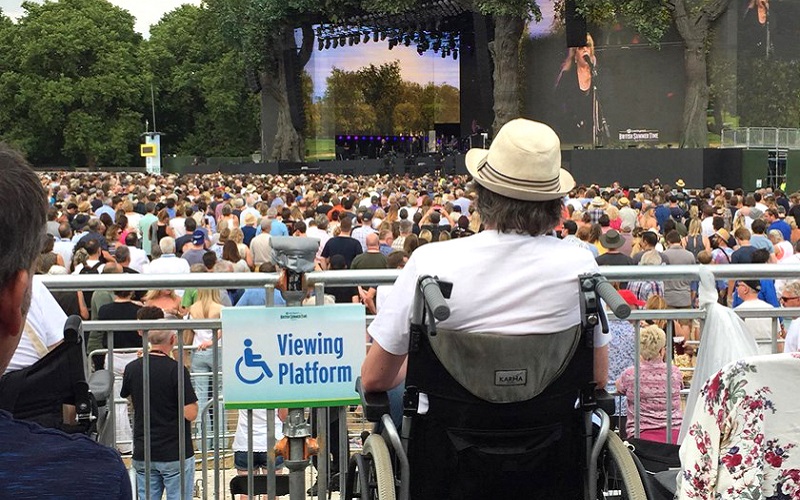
[{"x": 652, "y": 395}]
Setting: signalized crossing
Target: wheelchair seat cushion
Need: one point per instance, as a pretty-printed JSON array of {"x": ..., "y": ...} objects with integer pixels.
[{"x": 505, "y": 368}]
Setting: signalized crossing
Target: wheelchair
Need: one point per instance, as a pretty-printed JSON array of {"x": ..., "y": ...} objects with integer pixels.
[
  {"x": 485, "y": 417},
  {"x": 48, "y": 390}
]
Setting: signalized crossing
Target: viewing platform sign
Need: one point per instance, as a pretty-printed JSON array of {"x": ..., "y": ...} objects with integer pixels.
[{"x": 292, "y": 357}]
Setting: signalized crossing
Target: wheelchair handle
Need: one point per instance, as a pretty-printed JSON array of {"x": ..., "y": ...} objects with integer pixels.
[
  {"x": 434, "y": 298},
  {"x": 613, "y": 300},
  {"x": 73, "y": 329}
]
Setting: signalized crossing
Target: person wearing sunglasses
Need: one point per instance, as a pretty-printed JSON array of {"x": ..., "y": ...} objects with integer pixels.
[{"x": 790, "y": 297}]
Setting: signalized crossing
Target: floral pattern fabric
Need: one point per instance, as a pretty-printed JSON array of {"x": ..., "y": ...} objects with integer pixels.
[{"x": 743, "y": 440}]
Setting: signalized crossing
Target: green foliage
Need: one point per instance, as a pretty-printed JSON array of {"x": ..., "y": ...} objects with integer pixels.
[
  {"x": 768, "y": 93},
  {"x": 71, "y": 85},
  {"x": 203, "y": 103},
  {"x": 650, "y": 18},
  {"x": 375, "y": 99}
]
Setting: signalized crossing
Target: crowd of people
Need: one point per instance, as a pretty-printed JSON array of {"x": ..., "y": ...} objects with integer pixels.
[
  {"x": 135, "y": 223},
  {"x": 109, "y": 223}
]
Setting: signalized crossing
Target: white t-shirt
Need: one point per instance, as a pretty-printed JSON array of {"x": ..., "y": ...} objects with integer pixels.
[
  {"x": 502, "y": 283},
  {"x": 793, "y": 337},
  {"x": 46, "y": 320},
  {"x": 707, "y": 226},
  {"x": 760, "y": 328},
  {"x": 139, "y": 259},
  {"x": 259, "y": 431}
]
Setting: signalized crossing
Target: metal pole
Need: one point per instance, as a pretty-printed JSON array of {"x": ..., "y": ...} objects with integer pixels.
[
  {"x": 115, "y": 395},
  {"x": 146, "y": 409},
  {"x": 181, "y": 415},
  {"x": 668, "y": 356},
  {"x": 250, "y": 465},
  {"x": 218, "y": 414},
  {"x": 272, "y": 492},
  {"x": 323, "y": 456},
  {"x": 636, "y": 370},
  {"x": 153, "y": 105}
]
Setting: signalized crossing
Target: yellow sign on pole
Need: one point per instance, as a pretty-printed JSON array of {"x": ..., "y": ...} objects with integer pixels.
[{"x": 147, "y": 150}]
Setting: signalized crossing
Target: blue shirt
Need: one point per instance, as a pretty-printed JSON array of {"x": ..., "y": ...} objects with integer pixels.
[
  {"x": 279, "y": 228},
  {"x": 256, "y": 297},
  {"x": 46, "y": 463},
  {"x": 105, "y": 209}
]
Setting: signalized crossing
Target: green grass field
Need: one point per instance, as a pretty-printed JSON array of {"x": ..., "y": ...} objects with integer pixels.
[{"x": 320, "y": 149}]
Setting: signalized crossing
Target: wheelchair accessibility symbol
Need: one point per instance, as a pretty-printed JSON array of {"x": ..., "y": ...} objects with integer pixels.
[{"x": 255, "y": 367}]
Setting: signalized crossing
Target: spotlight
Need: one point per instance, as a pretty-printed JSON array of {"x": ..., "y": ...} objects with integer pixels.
[
  {"x": 383, "y": 36},
  {"x": 335, "y": 42},
  {"x": 366, "y": 37},
  {"x": 350, "y": 41},
  {"x": 328, "y": 43},
  {"x": 375, "y": 36},
  {"x": 455, "y": 54},
  {"x": 319, "y": 44},
  {"x": 407, "y": 41}
]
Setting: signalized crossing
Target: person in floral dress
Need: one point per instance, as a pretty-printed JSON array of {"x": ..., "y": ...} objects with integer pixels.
[{"x": 743, "y": 438}]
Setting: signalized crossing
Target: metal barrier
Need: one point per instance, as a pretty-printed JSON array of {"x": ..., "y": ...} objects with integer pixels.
[
  {"x": 351, "y": 278},
  {"x": 761, "y": 137}
]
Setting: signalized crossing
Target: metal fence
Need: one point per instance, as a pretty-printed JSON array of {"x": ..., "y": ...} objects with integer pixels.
[
  {"x": 351, "y": 278},
  {"x": 761, "y": 137}
]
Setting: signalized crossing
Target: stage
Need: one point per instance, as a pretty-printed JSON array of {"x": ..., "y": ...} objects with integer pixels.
[{"x": 697, "y": 167}]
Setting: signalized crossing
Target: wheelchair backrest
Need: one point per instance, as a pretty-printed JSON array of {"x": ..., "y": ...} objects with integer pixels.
[{"x": 505, "y": 368}]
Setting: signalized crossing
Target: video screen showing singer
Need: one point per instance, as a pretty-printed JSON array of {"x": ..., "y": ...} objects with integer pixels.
[{"x": 578, "y": 94}]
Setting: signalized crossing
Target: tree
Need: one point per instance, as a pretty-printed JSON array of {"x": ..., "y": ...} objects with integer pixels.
[
  {"x": 72, "y": 83},
  {"x": 693, "y": 19},
  {"x": 204, "y": 104},
  {"x": 772, "y": 101},
  {"x": 265, "y": 31}
]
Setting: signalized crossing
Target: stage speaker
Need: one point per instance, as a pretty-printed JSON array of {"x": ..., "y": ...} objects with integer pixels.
[{"x": 575, "y": 25}]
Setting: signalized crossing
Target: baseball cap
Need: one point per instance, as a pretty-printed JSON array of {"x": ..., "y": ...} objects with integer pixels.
[{"x": 198, "y": 237}]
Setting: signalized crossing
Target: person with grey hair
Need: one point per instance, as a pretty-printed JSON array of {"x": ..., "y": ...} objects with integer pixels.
[
  {"x": 528, "y": 286},
  {"x": 406, "y": 227},
  {"x": 790, "y": 297},
  {"x": 168, "y": 262},
  {"x": 260, "y": 245},
  {"x": 165, "y": 415},
  {"x": 30, "y": 456},
  {"x": 278, "y": 227}
]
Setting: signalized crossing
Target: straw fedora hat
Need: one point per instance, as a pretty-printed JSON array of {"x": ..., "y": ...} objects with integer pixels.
[{"x": 523, "y": 162}]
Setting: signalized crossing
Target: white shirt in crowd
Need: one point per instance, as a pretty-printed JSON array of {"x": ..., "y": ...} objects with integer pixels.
[
  {"x": 760, "y": 328},
  {"x": 259, "y": 431}
]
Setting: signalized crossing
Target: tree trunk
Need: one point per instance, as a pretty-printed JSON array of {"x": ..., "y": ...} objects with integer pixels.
[
  {"x": 284, "y": 75},
  {"x": 288, "y": 145},
  {"x": 695, "y": 106},
  {"x": 505, "y": 57},
  {"x": 694, "y": 25}
]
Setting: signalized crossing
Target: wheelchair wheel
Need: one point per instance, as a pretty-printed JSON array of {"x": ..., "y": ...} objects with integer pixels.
[
  {"x": 378, "y": 468},
  {"x": 620, "y": 475}
]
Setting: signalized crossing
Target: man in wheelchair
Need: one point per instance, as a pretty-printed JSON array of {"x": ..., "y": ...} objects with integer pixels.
[
  {"x": 35, "y": 461},
  {"x": 492, "y": 395}
]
